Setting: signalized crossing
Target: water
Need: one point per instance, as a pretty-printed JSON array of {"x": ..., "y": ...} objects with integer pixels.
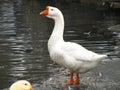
[{"x": 23, "y": 44}]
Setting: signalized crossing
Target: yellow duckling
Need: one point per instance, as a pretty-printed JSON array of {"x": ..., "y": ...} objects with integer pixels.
[{"x": 21, "y": 85}]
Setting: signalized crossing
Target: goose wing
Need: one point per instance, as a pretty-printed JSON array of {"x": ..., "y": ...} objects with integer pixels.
[{"x": 78, "y": 52}]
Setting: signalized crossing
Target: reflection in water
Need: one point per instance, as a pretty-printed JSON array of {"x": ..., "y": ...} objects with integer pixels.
[{"x": 24, "y": 34}]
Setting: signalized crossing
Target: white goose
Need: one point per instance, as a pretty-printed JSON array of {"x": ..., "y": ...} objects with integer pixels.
[
  {"x": 21, "y": 85},
  {"x": 68, "y": 54}
]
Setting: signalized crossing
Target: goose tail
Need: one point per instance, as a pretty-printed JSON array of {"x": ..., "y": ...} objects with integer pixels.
[{"x": 102, "y": 58}]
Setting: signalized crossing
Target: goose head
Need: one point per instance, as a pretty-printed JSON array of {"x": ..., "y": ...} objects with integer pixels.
[
  {"x": 51, "y": 12},
  {"x": 21, "y": 85}
]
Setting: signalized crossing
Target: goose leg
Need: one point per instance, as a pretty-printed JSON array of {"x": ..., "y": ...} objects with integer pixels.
[
  {"x": 77, "y": 81},
  {"x": 71, "y": 81}
]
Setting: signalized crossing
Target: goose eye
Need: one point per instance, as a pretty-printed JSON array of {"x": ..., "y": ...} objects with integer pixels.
[{"x": 51, "y": 9}]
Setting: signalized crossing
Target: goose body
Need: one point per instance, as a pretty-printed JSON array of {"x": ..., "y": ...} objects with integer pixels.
[
  {"x": 21, "y": 85},
  {"x": 68, "y": 54}
]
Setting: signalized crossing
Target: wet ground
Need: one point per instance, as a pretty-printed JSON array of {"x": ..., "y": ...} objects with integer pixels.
[{"x": 23, "y": 44}]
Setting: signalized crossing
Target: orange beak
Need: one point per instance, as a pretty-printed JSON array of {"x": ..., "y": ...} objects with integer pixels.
[
  {"x": 31, "y": 88},
  {"x": 45, "y": 12}
]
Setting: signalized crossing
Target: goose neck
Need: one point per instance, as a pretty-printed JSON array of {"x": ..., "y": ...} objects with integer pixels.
[
  {"x": 58, "y": 30},
  {"x": 57, "y": 34}
]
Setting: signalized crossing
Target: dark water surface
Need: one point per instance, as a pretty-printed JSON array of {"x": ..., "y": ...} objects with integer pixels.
[{"x": 23, "y": 44}]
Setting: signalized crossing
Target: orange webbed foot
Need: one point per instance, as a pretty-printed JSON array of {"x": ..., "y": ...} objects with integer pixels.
[
  {"x": 68, "y": 83},
  {"x": 72, "y": 81}
]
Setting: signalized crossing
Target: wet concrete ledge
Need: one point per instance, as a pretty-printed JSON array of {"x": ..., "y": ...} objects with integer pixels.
[
  {"x": 103, "y": 4},
  {"x": 96, "y": 79}
]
